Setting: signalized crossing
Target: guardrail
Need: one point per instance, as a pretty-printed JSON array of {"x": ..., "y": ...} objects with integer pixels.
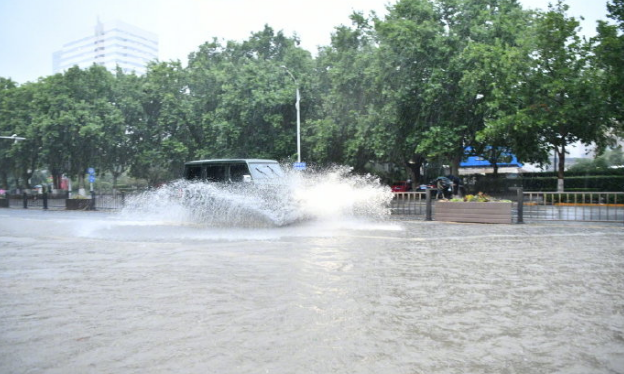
[
  {"x": 528, "y": 206},
  {"x": 409, "y": 203},
  {"x": 574, "y": 206},
  {"x": 113, "y": 201},
  {"x": 532, "y": 206}
]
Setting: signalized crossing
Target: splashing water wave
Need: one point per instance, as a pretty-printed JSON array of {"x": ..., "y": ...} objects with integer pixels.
[{"x": 329, "y": 195}]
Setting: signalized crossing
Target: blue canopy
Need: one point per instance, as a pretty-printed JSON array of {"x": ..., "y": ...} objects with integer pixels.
[{"x": 478, "y": 161}]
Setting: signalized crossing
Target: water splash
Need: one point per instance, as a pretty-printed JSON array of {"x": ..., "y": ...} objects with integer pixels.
[{"x": 333, "y": 194}]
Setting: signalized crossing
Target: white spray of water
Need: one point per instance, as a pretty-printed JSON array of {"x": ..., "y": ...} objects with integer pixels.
[{"x": 328, "y": 195}]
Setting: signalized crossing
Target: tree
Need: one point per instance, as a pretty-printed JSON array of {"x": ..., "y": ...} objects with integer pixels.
[
  {"x": 51, "y": 101},
  {"x": 410, "y": 52},
  {"x": 159, "y": 138},
  {"x": 499, "y": 66},
  {"x": 434, "y": 55},
  {"x": 609, "y": 52},
  {"x": 479, "y": 36},
  {"x": 74, "y": 108},
  {"x": 27, "y": 153},
  {"x": 7, "y": 90},
  {"x": 557, "y": 101},
  {"x": 18, "y": 159},
  {"x": 611, "y": 158},
  {"x": 421, "y": 85},
  {"x": 126, "y": 114},
  {"x": 346, "y": 89},
  {"x": 243, "y": 98}
]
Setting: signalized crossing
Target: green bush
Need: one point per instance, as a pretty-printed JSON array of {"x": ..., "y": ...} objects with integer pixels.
[{"x": 602, "y": 182}]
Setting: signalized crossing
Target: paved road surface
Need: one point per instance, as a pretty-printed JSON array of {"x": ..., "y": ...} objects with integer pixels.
[{"x": 92, "y": 292}]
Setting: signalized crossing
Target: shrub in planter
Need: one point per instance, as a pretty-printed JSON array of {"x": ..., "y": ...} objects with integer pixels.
[{"x": 478, "y": 208}]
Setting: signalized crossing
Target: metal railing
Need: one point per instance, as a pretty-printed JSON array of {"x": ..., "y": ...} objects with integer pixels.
[
  {"x": 532, "y": 206},
  {"x": 528, "y": 206},
  {"x": 106, "y": 202},
  {"x": 409, "y": 203},
  {"x": 574, "y": 206}
]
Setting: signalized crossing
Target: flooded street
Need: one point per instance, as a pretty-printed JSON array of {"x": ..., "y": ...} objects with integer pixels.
[{"x": 92, "y": 292}]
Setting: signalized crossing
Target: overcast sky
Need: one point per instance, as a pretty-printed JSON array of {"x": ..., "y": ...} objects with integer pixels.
[{"x": 31, "y": 30}]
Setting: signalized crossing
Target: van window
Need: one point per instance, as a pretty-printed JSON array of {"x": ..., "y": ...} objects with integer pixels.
[
  {"x": 193, "y": 172},
  {"x": 215, "y": 173},
  {"x": 237, "y": 171}
]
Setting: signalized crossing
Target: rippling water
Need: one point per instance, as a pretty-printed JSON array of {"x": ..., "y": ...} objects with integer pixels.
[{"x": 94, "y": 292}]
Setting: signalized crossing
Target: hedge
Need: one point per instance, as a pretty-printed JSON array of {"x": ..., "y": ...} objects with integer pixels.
[{"x": 595, "y": 183}]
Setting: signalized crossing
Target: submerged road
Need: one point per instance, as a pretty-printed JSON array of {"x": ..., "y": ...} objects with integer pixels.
[{"x": 92, "y": 292}]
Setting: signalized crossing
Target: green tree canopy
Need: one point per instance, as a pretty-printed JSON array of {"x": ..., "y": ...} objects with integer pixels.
[{"x": 418, "y": 85}]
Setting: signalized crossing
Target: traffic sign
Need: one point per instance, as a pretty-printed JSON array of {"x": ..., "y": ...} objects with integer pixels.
[
  {"x": 91, "y": 178},
  {"x": 299, "y": 165},
  {"x": 91, "y": 171}
]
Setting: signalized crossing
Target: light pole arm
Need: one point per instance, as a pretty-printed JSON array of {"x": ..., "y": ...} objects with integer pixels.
[{"x": 13, "y": 137}]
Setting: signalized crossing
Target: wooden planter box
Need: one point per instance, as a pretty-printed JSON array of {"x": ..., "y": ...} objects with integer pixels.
[
  {"x": 77, "y": 204},
  {"x": 490, "y": 212},
  {"x": 4, "y": 203}
]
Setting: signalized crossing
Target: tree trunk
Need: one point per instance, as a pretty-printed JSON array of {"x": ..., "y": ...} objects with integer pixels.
[
  {"x": 26, "y": 179},
  {"x": 115, "y": 178},
  {"x": 455, "y": 164},
  {"x": 414, "y": 168},
  {"x": 57, "y": 177},
  {"x": 4, "y": 180},
  {"x": 56, "y": 180},
  {"x": 81, "y": 181}
]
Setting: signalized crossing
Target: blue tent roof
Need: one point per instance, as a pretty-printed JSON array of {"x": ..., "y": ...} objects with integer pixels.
[{"x": 477, "y": 161}]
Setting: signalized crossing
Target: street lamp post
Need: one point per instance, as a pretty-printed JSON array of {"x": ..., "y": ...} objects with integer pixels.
[{"x": 298, "y": 115}]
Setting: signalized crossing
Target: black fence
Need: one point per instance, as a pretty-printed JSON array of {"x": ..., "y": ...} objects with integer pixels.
[
  {"x": 529, "y": 206},
  {"x": 574, "y": 206},
  {"x": 100, "y": 201},
  {"x": 409, "y": 203}
]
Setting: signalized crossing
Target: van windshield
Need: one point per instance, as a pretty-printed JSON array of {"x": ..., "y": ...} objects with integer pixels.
[{"x": 265, "y": 170}]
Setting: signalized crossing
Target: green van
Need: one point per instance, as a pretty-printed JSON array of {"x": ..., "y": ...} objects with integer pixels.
[{"x": 233, "y": 170}]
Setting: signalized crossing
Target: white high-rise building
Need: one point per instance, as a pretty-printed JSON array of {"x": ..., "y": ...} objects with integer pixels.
[{"x": 113, "y": 44}]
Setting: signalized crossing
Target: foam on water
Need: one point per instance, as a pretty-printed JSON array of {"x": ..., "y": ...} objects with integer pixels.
[{"x": 332, "y": 195}]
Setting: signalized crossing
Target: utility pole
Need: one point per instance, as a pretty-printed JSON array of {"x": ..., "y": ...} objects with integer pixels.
[{"x": 298, "y": 115}]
